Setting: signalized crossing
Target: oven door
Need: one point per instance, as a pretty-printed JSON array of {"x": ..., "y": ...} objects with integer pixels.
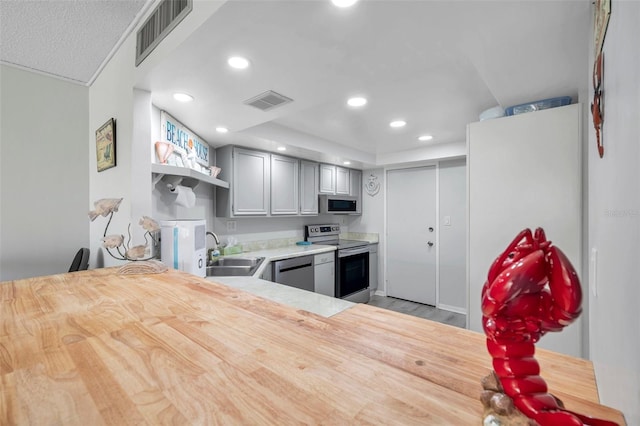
[{"x": 352, "y": 274}]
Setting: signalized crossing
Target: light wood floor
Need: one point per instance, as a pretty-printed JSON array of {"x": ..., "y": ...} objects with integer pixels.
[{"x": 419, "y": 310}]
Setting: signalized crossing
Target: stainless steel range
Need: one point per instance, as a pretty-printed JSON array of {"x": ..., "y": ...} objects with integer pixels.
[{"x": 352, "y": 261}]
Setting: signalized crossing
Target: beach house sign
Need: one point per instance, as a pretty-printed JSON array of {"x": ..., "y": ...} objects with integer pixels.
[{"x": 183, "y": 139}]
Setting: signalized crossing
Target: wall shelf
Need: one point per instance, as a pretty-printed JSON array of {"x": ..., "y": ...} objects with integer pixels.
[{"x": 182, "y": 174}]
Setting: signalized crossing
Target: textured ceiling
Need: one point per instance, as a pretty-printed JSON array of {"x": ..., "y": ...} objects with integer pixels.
[{"x": 65, "y": 38}]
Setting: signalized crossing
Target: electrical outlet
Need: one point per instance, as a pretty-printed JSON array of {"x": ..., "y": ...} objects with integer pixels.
[{"x": 231, "y": 225}]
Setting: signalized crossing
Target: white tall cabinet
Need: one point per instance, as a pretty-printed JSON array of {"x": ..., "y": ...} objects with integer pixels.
[{"x": 524, "y": 171}]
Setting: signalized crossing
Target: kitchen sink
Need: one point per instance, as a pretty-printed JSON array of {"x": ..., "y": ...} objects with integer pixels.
[{"x": 234, "y": 266}]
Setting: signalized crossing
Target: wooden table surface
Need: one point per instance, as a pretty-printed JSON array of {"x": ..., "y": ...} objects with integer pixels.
[{"x": 94, "y": 348}]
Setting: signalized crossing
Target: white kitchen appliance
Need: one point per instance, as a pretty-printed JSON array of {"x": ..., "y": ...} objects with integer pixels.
[{"x": 183, "y": 245}]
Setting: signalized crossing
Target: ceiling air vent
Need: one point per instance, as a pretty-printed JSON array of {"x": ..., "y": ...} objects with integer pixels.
[
  {"x": 162, "y": 21},
  {"x": 268, "y": 100}
]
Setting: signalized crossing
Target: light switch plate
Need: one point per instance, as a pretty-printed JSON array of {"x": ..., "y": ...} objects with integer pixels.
[
  {"x": 231, "y": 225},
  {"x": 446, "y": 220}
]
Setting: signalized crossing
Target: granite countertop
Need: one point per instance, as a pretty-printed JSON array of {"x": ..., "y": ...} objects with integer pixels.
[
  {"x": 271, "y": 255},
  {"x": 301, "y": 299},
  {"x": 319, "y": 304},
  {"x": 297, "y": 298}
]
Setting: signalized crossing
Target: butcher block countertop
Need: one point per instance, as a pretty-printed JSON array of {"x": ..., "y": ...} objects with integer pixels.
[{"x": 94, "y": 347}]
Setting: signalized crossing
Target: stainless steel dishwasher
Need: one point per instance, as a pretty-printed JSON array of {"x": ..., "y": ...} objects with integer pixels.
[{"x": 295, "y": 272}]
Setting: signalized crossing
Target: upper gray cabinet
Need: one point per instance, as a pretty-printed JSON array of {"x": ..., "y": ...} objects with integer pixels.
[
  {"x": 248, "y": 174},
  {"x": 343, "y": 182},
  {"x": 284, "y": 185},
  {"x": 327, "y": 179},
  {"x": 355, "y": 183},
  {"x": 334, "y": 180},
  {"x": 309, "y": 187},
  {"x": 355, "y": 186}
]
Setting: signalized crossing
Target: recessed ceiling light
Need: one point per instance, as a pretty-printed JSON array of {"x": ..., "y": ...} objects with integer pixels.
[
  {"x": 238, "y": 62},
  {"x": 346, "y": 163},
  {"x": 182, "y": 97},
  {"x": 425, "y": 138},
  {"x": 222, "y": 129},
  {"x": 398, "y": 123},
  {"x": 281, "y": 148},
  {"x": 357, "y": 101},
  {"x": 344, "y": 3}
]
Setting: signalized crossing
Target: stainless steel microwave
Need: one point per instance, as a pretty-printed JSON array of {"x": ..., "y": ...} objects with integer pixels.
[{"x": 338, "y": 204}]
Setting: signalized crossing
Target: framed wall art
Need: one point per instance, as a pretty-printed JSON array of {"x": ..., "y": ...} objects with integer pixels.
[
  {"x": 106, "y": 145},
  {"x": 601, "y": 21}
]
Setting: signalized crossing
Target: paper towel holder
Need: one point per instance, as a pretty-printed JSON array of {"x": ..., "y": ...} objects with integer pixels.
[{"x": 172, "y": 181}]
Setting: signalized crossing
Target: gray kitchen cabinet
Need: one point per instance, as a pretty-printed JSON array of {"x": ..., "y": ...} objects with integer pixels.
[
  {"x": 284, "y": 185},
  {"x": 334, "y": 180},
  {"x": 327, "y": 179},
  {"x": 325, "y": 273},
  {"x": 355, "y": 183},
  {"x": 355, "y": 187},
  {"x": 343, "y": 182},
  {"x": 267, "y": 274},
  {"x": 373, "y": 267},
  {"x": 309, "y": 188},
  {"x": 248, "y": 173}
]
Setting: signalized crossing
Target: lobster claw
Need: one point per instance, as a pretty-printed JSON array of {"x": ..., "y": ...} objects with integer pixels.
[{"x": 563, "y": 305}]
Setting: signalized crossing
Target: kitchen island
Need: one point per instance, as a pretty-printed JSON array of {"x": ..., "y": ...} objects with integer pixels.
[{"x": 94, "y": 347}]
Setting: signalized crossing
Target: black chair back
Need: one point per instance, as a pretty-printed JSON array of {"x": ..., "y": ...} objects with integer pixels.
[{"x": 81, "y": 261}]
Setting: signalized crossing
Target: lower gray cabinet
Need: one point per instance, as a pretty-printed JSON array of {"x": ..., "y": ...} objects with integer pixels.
[
  {"x": 325, "y": 274},
  {"x": 373, "y": 267}
]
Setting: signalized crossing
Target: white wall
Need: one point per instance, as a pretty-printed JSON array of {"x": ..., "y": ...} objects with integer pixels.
[
  {"x": 614, "y": 219},
  {"x": 452, "y": 239},
  {"x": 43, "y": 173},
  {"x": 112, "y": 95}
]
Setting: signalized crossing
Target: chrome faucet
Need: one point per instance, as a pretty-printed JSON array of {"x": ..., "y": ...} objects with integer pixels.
[
  {"x": 215, "y": 237},
  {"x": 211, "y": 250}
]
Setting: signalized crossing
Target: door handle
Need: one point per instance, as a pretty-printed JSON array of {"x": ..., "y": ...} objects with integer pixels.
[
  {"x": 430, "y": 229},
  {"x": 429, "y": 243}
]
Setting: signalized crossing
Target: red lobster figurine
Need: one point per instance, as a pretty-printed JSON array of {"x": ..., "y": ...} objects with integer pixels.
[{"x": 531, "y": 289}]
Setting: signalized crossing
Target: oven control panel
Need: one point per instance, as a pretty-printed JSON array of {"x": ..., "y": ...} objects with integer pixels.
[{"x": 320, "y": 230}]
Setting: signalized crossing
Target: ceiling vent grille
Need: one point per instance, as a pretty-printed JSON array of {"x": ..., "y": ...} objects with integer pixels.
[
  {"x": 162, "y": 21},
  {"x": 268, "y": 100}
]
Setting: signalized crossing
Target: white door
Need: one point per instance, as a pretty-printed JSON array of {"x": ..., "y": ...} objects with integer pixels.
[{"x": 411, "y": 236}]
